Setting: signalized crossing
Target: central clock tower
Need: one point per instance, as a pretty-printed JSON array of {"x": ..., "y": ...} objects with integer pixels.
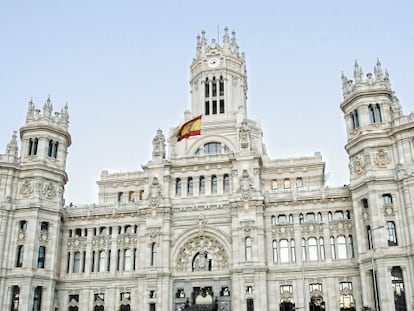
[{"x": 218, "y": 79}]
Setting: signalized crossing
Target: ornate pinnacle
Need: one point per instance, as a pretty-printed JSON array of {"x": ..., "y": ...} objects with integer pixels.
[
  {"x": 226, "y": 39},
  {"x": 378, "y": 71}
]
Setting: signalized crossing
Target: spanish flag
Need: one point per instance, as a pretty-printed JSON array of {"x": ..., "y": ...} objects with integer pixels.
[{"x": 189, "y": 128}]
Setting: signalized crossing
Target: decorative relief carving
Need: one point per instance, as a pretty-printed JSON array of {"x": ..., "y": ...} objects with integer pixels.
[
  {"x": 244, "y": 135},
  {"x": 27, "y": 188},
  {"x": 247, "y": 227},
  {"x": 76, "y": 243},
  {"x": 49, "y": 191},
  {"x": 153, "y": 235},
  {"x": 283, "y": 231},
  {"x": 155, "y": 193},
  {"x": 382, "y": 159},
  {"x": 127, "y": 240},
  {"x": 341, "y": 227},
  {"x": 389, "y": 210},
  {"x": 101, "y": 242},
  {"x": 246, "y": 187},
  {"x": 358, "y": 165},
  {"x": 202, "y": 245}
]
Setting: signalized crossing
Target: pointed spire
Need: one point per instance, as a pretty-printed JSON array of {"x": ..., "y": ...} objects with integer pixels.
[
  {"x": 47, "y": 107},
  {"x": 226, "y": 40},
  {"x": 30, "y": 111},
  {"x": 198, "y": 48},
  {"x": 12, "y": 148},
  {"x": 64, "y": 115},
  {"x": 233, "y": 46},
  {"x": 378, "y": 71},
  {"x": 357, "y": 73},
  {"x": 203, "y": 46}
]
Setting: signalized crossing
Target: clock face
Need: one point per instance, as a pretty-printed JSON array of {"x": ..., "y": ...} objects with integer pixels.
[{"x": 213, "y": 62}]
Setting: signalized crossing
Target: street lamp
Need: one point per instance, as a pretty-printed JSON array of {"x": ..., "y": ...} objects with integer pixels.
[{"x": 374, "y": 277}]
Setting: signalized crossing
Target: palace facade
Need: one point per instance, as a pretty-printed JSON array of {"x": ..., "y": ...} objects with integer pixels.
[{"x": 211, "y": 222}]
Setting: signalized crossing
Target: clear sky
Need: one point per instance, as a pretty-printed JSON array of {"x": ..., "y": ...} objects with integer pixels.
[{"x": 123, "y": 68}]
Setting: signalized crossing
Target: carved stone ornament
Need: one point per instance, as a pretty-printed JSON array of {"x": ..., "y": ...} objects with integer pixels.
[
  {"x": 76, "y": 243},
  {"x": 153, "y": 235},
  {"x": 244, "y": 135},
  {"x": 247, "y": 229},
  {"x": 201, "y": 245},
  {"x": 246, "y": 187},
  {"x": 155, "y": 193},
  {"x": 49, "y": 191},
  {"x": 389, "y": 210},
  {"x": 27, "y": 188},
  {"x": 358, "y": 165},
  {"x": 382, "y": 159}
]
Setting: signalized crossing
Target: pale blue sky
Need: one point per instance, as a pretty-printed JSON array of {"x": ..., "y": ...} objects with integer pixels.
[{"x": 123, "y": 68}]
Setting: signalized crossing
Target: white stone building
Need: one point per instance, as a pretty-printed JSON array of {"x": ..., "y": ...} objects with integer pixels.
[{"x": 214, "y": 223}]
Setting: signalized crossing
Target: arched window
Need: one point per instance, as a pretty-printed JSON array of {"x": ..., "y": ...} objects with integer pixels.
[
  {"x": 339, "y": 215},
  {"x": 55, "y": 150},
  {"x": 392, "y": 233},
  {"x": 177, "y": 186},
  {"x": 41, "y": 255},
  {"x": 50, "y": 149},
  {"x": 301, "y": 218},
  {"x": 37, "y": 298},
  {"x": 281, "y": 219},
  {"x": 321, "y": 248},
  {"x": 19, "y": 256},
  {"x": 32, "y": 147},
  {"x": 273, "y": 220},
  {"x": 341, "y": 245},
  {"x": 214, "y": 87},
  {"x": 292, "y": 250},
  {"x": 15, "y": 300},
  {"x": 375, "y": 113},
  {"x": 284, "y": 250},
  {"x": 101, "y": 262},
  {"x": 299, "y": 182},
  {"x": 290, "y": 218},
  {"x": 212, "y": 148},
  {"x": 333, "y": 251},
  {"x": 304, "y": 250},
  {"x": 207, "y": 88},
  {"x": 286, "y": 183},
  {"x": 274, "y": 184},
  {"x": 355, "y": 119},
  {"x": 76, "y": 262},
  {"x": 369, "y": 237},
  {"x": 127, "y": 260},
  {"x": 190, "y": 185},
  {"x": 214, "y": 184},
  {"x": 313, "y": 249},
  {"x": 248, "y": 248},
  {"x": 226, "y": 183},
  {"x": 202, "y": 185},
  {"x": 274, "y": 248},
  {"x": 153, "y": 253}
]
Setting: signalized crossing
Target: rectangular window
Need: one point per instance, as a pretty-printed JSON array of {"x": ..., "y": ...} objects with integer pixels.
[
  {"x": 19, "y": 257},
  {"x": 387, "y": 198},
  {"x": 221, "y": 105},
  {"x": 152, "y": 307},
  {"x": 250, "y": 304},
  {"x": 214, "y": 106},
  {"x": 41, "y": 257},
  {"x": 207, "y": 108}
]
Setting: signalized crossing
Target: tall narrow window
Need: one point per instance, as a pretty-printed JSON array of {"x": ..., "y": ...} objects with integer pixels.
[
  {"x": 23, "y": 225},
  {"x": 392, "y": 234},
  {"x": 321, "y": 248},
  {"x": 128, "y": 260},
  {"x": 274, "y": 248},
  {"x": 250, "y": 304},
  {"x": 248, "y": 248},
  {"x": 152, "y": 306},
  {"x": 50, "y": 149},
  {"x": 286, "y": 183},
  {"x": 387, "y": 198},
  {"x": 178, "y": 186},
  {"x": 299, "y": 182},
  {"x": 32, "y": 147},
  {"x": 221, "y": 105},
  {"x": 284, "y": 251},
  {"x": 202, "y": 185},
  {"x": 369, "y": 237},
  {"x": 207, "y": 108},
  {"x": 214, "y": 184},
  {"x": 55, "y": 150},
  {"x": 333, "y": 251},
  {"x": 19, "y": 257},
  {"x": 341, "y": 245},
  {"x": 37, "y": 298},
  {"x": 153, "y": 254},
  {"x": 101, "y": 263},
  {"x": 304, "y": 250},
  {"x": 41, "y": 255},
  {"x": 313, "y": 249},
  {"x": 76, "y": 262},
  {"x": 398, "y": 288},
  {"x": 15, "y": 299},
  {"x": 190, "y": 186},
  {"x": 364, "y": 203},
  {"x": 221, "y": 86},
  {"x": 355, "y": 119},
  {"x": 351, "y": 246},
  {"x": 226, "y": 183},
  {"x": 292, "y": 250},
  {"x": 214, "y": 106},
  {"x": 214, "y": 87},
  {"x": 207, "y": 88}
]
